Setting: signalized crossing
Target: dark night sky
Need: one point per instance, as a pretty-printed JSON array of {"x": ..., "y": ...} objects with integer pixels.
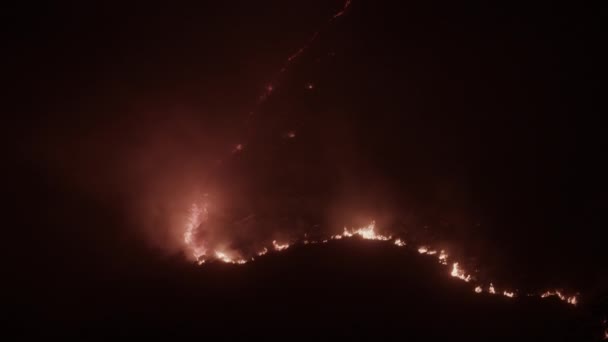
[{"x": 481, "y": 123}]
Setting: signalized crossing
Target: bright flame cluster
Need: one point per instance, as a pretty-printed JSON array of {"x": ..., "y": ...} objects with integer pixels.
[
  {"x": 459, "y": 273},
  {"x": 367, "y": 233}
]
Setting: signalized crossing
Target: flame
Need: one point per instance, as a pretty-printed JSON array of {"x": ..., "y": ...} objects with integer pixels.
[
  {"x": 196, "y": 217},
  {"x": 279, "y": 247},
  {"x": 199, "y": 214},
  {"x": 443, "y": 257},
  {"x": 557, "y": 293},
  {"x": 227, "y": 259},
  {"x": 459, "y": 273},
  {"x": 366, "y": 233}
]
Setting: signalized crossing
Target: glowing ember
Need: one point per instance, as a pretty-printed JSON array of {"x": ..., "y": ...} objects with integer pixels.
[
  {"x": 225, "y": 258},
  {"x": 263, "y": 251},
  {"x": 508, "y": 294},
  {"x": 310, "y": 86},
  {"x": 570, "y": 300},
  {"x": 491, "y": 289},
  {"x": 279, "y": 247},
  {"x": 459, "y": 273},
  {"x": 291, "y": 134},
  {"x": 399, "y": 243},
  {"x": 367, "y": 233},
  {"x": 346, "y": 5},
  {"x": 238, "y": 148},
  {"x": 443, "y": 257},
  {"x": 422, "y": 250},
  {"x": 478, "y": 289}
]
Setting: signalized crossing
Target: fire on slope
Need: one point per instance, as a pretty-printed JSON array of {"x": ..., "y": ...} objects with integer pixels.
[{"x": 198, "y": 215}]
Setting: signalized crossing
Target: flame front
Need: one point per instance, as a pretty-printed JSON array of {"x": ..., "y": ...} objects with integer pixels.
[{"x": 198, "y": 216}]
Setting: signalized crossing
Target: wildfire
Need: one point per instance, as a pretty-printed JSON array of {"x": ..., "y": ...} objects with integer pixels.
[
  {"x": 443, "y": 257},
  {"x": 570, "y": 300},
  {"x": 279, "y": 247},
  {"x": 459, "y": 273},
  {"x": 196, "y": 216},
  {"x": 366, "y": 233},
  {"x": 225, "y": 258},
  {"x": 199, "y": 214}
]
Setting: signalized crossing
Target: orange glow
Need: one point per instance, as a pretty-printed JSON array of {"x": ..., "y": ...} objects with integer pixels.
[
  {"x": 198, "y": 215},
  {"x": 367, "y": 233},
  {"x": 570, "y": 300},
  {"x": 443, "y": 257},
  {"x": 278, "y": 246},
  {"x": 459, "y": 273},
  {"x": 225, "y": 258}
]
